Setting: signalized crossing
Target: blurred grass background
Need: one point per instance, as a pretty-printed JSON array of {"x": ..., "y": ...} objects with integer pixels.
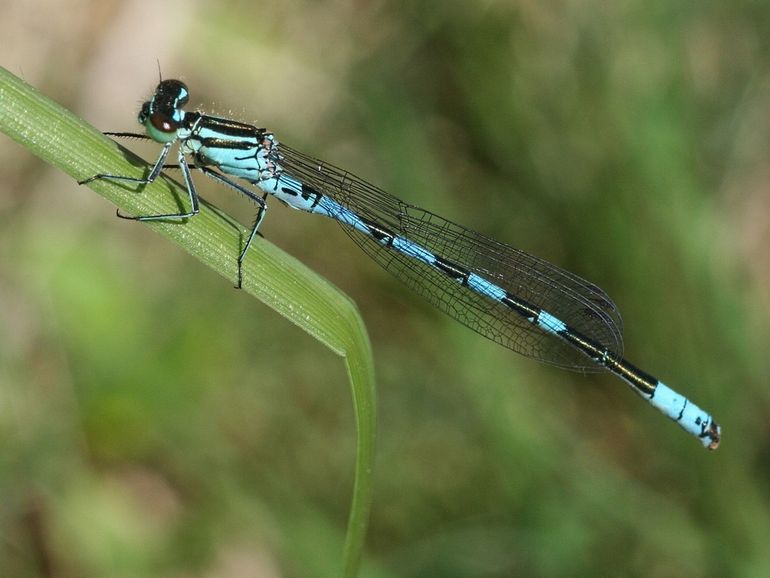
[{"x": 155, "y": 422}]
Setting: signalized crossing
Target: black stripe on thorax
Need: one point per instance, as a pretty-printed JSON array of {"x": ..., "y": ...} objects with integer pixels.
[
  {"x": 231, "y": 128},
  {"x": 222, "y": 143}
]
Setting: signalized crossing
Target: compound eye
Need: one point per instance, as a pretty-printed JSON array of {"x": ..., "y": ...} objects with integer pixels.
[{"x": 163, "y": 123}]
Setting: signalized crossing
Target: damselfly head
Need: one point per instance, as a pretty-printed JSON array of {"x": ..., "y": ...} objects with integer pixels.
[{"x": 162, "y": 115}]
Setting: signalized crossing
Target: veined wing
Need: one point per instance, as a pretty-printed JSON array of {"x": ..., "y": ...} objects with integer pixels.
[{"x": 573, "y": 300}]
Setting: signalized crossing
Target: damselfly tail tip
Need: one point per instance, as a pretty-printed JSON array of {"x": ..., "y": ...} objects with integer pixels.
[{"x": 712, "y": 435}]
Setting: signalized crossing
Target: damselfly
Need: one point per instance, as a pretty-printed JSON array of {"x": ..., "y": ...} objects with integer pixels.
[{"x": 519, "y": 301}]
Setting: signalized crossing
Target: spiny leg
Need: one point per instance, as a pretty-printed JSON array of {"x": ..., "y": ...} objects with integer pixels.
[
  {"x": 150, "y": 178},
  {"x": 261, "y": 203},
  {"x": 192, "y": 194},
  {"x": 156, "y": 169}
]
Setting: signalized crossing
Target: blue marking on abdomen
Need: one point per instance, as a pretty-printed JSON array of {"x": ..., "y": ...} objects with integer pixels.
[
  {"x": 412, "y": 249},
  {"x": 486, "y": 288},
  {"x": 551, "y": 324},
  {"x": 331, "y": 208}
]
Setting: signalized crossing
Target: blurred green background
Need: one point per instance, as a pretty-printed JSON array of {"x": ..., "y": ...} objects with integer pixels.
[{"x": 156, "y": 422}]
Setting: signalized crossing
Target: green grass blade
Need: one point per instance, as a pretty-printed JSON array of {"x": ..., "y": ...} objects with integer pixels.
[{"x": 275, "y": 278}]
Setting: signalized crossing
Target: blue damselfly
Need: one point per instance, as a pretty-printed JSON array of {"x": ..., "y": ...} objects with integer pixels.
[{"x": 519, "y": 301}]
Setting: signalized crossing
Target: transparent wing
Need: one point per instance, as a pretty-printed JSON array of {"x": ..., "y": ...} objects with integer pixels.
[{"x": 580, "y": 304}]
